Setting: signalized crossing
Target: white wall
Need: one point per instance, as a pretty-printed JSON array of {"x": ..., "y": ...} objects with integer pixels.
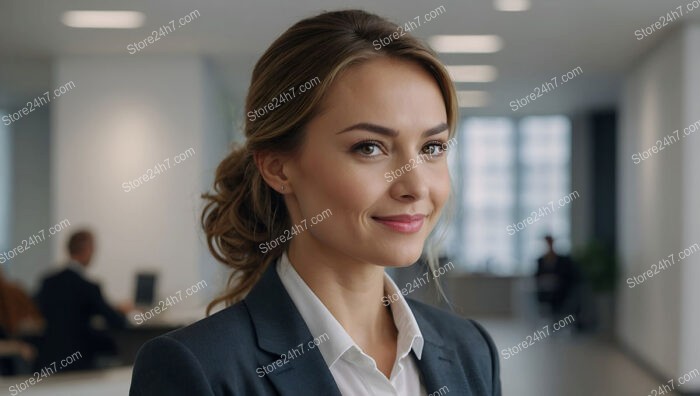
[
  {"x": 657, "y": 208},
  {"x": 690, "y": 325},
  {"x": 125, "y": 115}
]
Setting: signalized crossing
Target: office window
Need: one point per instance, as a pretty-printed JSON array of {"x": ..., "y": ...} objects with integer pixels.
[{"x": 505, "y": 171}]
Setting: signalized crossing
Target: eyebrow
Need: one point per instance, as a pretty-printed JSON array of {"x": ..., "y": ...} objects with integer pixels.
[{"x": 392, "y": 132}]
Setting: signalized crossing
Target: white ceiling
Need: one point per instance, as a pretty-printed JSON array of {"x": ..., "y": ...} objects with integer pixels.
[{"x": 552, "y": 38}]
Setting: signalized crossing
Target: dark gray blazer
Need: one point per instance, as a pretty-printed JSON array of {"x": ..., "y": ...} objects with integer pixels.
[{"x": 222, "y": 354}]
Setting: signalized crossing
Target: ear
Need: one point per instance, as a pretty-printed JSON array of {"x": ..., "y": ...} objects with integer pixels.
[{"x": 271, "y": 168}]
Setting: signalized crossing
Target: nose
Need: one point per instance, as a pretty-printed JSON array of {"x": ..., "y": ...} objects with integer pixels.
[{"x": 412, "y": 181}]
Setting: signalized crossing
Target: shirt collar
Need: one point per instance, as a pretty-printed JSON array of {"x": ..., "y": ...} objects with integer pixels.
[
  {"x": 76, "y": 266},
  {"x": 319, "y": 319},
  {"x": 410, "y": 336}
]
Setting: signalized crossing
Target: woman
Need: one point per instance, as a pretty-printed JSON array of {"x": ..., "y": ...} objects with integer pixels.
[{"x": 304, "y": 216}]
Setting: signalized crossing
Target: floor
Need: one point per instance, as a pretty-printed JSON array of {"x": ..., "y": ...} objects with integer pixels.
[{"x": 563, "y": 363}]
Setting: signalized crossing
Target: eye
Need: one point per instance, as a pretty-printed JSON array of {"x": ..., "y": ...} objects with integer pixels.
[
  {"x": 368, "y": 148},
  {"x": 436, "y": 148}
]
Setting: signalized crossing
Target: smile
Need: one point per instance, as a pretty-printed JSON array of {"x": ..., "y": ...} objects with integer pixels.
[{"x": 404, "y": 223}]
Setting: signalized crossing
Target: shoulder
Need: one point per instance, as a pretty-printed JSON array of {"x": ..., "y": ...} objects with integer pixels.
[
  {"x": 69, "y": 279},
  {"x": 166, "y": 366},
  {"x": 203, "y": 338},
  {"x": 65, "y": 275},
  {"x": 57, "y": 277},
  {"x": 233, "y": 320},
  {"x": 216, "y": 349},
  {"x": 466, "y": 337},
  {"x": 56, "y": 274}
]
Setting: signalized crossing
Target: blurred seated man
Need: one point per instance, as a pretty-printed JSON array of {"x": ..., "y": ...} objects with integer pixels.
[
  {"x": 556, "y": 278},
  {"x": 68, "y": 301}
]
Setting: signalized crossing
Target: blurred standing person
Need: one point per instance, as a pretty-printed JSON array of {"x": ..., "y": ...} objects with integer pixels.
[
  {"x": 557, "y": 279},
  {"x": 68, "y": 301}
]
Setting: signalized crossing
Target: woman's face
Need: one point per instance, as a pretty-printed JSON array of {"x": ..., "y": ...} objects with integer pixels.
[{"x": 362, "y": 160}]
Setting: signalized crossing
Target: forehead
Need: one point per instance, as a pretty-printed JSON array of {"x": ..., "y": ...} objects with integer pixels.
[{"x": 393, "y": 92}]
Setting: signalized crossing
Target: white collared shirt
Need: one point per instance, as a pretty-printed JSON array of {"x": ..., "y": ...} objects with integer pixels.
[
  {"x": 354, "y": 371},
  {"x": 76, "y": 267}
]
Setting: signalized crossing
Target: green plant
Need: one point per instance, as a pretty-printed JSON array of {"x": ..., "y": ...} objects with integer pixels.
[{"x": 598, "y": 264}]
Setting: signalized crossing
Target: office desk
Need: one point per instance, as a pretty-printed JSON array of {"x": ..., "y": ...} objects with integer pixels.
[
  {"x": 129, "y": 340},
  {"x": 111, "y": 382},
  {"x": 107, "y": 382}
]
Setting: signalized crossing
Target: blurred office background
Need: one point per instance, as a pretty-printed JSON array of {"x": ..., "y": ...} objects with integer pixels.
[{"x": 117, "y": 109}]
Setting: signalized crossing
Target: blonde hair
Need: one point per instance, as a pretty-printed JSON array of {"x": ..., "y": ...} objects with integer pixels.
[{"x": 243, "y": 211}]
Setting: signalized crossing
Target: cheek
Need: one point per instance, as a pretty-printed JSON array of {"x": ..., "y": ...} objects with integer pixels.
[
  {"x": 332, "y": 183},
  {"x": 441, "y": 187}
]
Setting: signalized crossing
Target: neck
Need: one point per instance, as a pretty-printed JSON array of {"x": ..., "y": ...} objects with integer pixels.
[{"x": 351, "y": 290}]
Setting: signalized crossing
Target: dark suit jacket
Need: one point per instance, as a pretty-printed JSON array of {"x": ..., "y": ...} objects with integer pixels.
[
  {"x": 219, "y": 355},
  {"x": 68, "y": 301},
  {"x": 565, "y": 273}
]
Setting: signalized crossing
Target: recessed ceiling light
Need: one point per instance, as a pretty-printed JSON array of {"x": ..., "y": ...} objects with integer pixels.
[
  {"x": 511, "y": 5},
  {"x": 472, "y": 73},
  {"x": 473, "y": 98},
  {"x": 103, "y": 19},
  {"x": 475, "y": 44}
]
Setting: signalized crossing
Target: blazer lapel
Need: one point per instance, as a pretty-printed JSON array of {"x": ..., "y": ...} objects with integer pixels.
[
  {"x": 281, "y": 331},
  {"x": 305, "y": 375},
  {"x": 439, "y": 363}
]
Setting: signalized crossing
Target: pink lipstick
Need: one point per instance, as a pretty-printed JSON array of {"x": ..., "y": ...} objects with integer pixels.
[{"x": 402, "y": 223}]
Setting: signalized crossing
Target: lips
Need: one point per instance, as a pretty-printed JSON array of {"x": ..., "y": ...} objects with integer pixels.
[{"x": 402, "y": 223}]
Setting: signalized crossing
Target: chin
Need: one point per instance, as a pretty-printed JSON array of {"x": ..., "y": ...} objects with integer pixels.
[{"x": 401, "y": 257}]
